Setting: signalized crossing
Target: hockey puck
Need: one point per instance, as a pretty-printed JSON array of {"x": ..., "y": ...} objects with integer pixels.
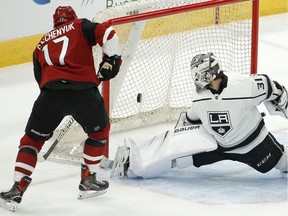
[{"x": 139, "y": 98}]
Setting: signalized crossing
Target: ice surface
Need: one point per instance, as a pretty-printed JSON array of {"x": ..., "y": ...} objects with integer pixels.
[{"x": 224, "y": 188}]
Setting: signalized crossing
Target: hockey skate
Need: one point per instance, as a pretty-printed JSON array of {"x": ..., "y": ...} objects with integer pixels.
[
  {"x": 10, "y": 199},
  {"x": 121, "y": 162},
  {"x": 90, "y": 186}
]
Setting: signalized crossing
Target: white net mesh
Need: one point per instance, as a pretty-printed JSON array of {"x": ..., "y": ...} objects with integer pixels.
[{"x": 156, "y": 55}]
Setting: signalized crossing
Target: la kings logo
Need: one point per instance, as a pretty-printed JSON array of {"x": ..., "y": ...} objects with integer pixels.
[{"x": 220, "y": 122}]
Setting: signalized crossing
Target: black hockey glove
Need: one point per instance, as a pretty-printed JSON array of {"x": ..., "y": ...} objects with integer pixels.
[{"x": 109, "y": 67}]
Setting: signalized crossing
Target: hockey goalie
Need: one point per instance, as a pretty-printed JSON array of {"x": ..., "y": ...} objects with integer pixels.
[{"x": 222, "y": 123}]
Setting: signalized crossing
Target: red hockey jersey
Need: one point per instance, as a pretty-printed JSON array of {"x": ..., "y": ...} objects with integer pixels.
[{"x": 65, "y": 53}]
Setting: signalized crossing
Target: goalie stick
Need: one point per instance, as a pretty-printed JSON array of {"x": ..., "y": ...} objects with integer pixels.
[{"x": 63, "y": 131}]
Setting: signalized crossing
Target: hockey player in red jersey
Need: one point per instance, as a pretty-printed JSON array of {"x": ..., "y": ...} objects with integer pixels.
[
  {"x": 223, "y": 123},
  {"x": 65, "y": 71}
]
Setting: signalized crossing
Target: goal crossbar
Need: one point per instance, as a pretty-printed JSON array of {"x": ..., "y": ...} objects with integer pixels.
[{"x": 171, "y": 11}]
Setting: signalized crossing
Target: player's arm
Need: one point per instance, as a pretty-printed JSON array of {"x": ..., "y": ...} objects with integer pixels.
[
  {"x": 37, "y": 69},
  {"x": 263, "y": 89},
  {"x": 272, "y": 94},
  {"x": 105, "y": 36}
]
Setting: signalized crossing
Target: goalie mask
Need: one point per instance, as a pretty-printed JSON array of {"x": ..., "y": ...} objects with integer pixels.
[
  {"x": 205, "y": 68},
  {"x": 63, "y": 14}
]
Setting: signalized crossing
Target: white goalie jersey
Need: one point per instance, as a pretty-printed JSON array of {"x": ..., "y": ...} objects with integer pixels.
[{"x": 232, "y": 117}]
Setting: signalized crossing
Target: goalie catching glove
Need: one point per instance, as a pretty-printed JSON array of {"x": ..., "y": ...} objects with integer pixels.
[
  {"x": 282, "y": 101},
  {"x": 109, "y": 67},
  {"x": 280, "y": 105}
]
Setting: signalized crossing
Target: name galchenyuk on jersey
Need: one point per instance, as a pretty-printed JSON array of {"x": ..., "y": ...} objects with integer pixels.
[{"x": 55, "y": 33}]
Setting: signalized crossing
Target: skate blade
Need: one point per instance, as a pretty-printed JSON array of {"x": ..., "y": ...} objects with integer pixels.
[
  {"x": 89, "y": 194},
  {"x": 8, "y": 205}
]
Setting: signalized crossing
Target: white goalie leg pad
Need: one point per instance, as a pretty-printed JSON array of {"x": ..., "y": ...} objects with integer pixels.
[
  {"x": 140, "y": 166},
  {"x": 154, "y": 157},
  {"x": 182, "y": 162}
]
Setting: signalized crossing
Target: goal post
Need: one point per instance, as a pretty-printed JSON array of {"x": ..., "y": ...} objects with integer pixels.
[{"x": 158, "y": 39}]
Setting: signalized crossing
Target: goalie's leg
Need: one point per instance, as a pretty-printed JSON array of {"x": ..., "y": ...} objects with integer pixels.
[{"x": 159, "y": 154}]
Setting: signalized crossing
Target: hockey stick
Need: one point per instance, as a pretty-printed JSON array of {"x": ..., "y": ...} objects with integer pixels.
[{"x": 63, "y": 131}]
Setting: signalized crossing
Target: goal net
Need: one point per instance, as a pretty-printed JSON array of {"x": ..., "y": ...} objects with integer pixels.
[{"x": 158, "y": 39}]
